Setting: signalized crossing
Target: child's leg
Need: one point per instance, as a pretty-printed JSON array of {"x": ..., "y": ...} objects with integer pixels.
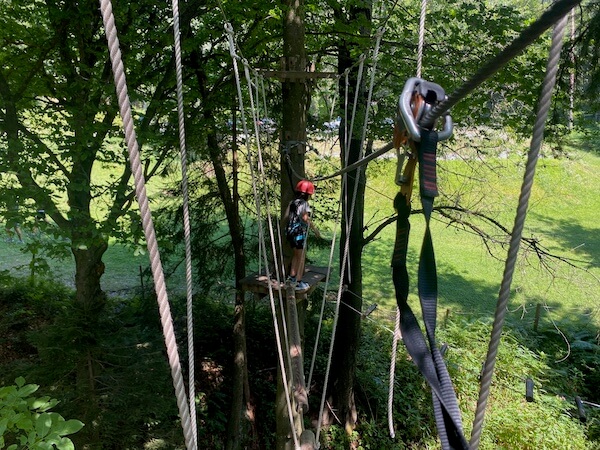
[{"x": 296, "y": 260}]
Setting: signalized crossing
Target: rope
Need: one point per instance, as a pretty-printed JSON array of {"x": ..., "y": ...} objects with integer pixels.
[
  {"x": 147, "y": 223},
  {"x": 504, "y": 294},
  {"x": 345, "y": 258},
  {"x": 234, "y": 56},
  {"x": 392, "y": 374},
  {"x": 396, "y": 337},
  {"x": 421, "y": 37},
  {"x": 331, "y": 252},
  {"x": 186, "y": 224}
]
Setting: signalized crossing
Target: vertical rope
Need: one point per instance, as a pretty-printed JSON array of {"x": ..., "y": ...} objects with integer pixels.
[
  {"x": 504, "y": 294},
  {"x": 147, "y": 223},
  {"x": 317, "y": 337},
  {"x": 421, "y": 37},
  {"x": 395, "y": 340},
  {"x": 186, "y": 224},
  {"x": 234, "y": 56}
]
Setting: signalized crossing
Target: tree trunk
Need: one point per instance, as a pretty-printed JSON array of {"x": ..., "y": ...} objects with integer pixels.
[{"x": 293, "y": 147}]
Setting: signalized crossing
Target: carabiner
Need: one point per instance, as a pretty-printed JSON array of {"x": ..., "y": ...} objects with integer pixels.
[{"x": 417, "y": 99}]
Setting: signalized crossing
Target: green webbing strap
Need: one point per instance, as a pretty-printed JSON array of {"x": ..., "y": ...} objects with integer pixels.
[{"x": 427, "y": 357}]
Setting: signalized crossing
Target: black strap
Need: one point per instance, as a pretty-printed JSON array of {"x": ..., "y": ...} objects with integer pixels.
[{"x": 427, "y": 357}]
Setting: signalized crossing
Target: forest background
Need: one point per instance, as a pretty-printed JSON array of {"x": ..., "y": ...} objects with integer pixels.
[{"x": 63, "y": 153}]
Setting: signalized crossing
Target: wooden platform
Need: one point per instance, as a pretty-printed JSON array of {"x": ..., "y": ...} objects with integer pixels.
[{"x": 258, "y": 283}]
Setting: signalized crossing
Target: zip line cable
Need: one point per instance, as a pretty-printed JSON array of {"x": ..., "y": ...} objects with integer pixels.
[
  {"x": 504, "y": 294},
  {"x": 186, "y": 223},
  {"x": 526, "y": 38},
  {"x": 147, "y": 223}
]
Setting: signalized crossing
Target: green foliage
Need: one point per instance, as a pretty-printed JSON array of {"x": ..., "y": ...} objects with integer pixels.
[
  {"x": 547, "y": 423},
  {"x": 27, "y": 422}
]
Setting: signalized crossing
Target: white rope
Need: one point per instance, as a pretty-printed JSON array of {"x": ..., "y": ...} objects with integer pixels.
[
  {"x": 147, "y": 223},
  {"x": 327, "y": 278},
  {"x": 229, "y": 30},
  {"x": 421, "y": 37},
  {"x": 186, "y": 225},
  {"x": 395, "y": 340},
  {"x": 504, "y": 294},
  {"x": 345, "y": 257},
  {"x": 397, "y": 326}
]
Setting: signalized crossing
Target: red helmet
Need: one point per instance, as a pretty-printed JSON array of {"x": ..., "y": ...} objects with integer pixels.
[{"x": 306, "y": 187}]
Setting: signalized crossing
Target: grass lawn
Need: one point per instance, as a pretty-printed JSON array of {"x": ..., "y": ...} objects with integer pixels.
[{"x": 562, "y": 216}]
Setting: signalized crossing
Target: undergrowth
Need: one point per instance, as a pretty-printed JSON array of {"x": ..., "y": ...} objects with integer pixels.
[{"x": 43, "y": 336}]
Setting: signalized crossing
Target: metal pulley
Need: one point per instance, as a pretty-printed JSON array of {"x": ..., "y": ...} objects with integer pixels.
[{"x": 417, "y": 99}]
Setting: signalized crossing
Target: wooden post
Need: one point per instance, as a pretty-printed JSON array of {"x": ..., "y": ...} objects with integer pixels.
[
  {"x": 580, "y": 409},
  {"x": 536, "y": 321},
  {"x": 529, "y": 389},
  {"x": 295, "y": 350}
]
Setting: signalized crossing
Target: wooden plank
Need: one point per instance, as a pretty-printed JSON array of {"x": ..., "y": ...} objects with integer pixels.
[{"x": 259, "y": 283}]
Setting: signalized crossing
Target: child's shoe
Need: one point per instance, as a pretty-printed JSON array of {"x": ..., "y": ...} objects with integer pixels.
[{"x": 302, "y": 286}]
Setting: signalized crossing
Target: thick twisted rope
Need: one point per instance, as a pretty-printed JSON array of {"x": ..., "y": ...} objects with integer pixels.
[
  {"x": 186, "y": 223},
  {"x": 504, "y": 294},
  {"x": 147, "y": 223},
  {"x": 421, "y": 37}
]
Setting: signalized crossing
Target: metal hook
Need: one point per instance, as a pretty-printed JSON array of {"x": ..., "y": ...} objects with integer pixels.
[{"x": 417, "y": 99}]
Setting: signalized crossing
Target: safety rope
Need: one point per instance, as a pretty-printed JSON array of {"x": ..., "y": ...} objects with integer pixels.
[
  {"x": 421, "y": 37},
  {"x": 147, "y": 223},
  {"x": 282, "y": 366},
  {"x": 186, "y": 223},
  {"x": 504, "y": 294},
  {"x": 397, "y": 333},
  {"x": 395, "y": 340},
  {"x": 327, "y": 278},
  {"x": 345, "y": 258}
]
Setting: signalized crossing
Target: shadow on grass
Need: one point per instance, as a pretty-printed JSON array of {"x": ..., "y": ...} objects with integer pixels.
[
  {"x": 575, "y": 237},
  {"x": 455, "y": 291}
]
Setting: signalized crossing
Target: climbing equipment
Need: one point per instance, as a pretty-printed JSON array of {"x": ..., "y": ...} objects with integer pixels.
[{"x": 417, "y": 98}]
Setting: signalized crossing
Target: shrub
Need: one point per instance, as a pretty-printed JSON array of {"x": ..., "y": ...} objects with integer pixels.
[{"x": 26, "y": 421}]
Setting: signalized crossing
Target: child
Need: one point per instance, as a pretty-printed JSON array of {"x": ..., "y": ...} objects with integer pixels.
[{"x": 298, "y": 222}]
